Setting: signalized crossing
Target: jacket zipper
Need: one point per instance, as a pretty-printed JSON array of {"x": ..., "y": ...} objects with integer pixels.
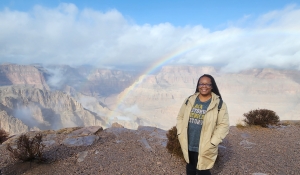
[{"x": 204, "y": 127}]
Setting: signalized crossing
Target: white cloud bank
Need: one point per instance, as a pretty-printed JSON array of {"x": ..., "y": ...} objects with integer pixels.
[{"x": 67, "y": 35}]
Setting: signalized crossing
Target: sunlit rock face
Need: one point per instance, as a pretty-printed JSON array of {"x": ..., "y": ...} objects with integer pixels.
[
  {"x": 12, "y": 74},
  {"x": 42, "y": 109},
  {"x": 261, "y": 88},
  {"x": 158, "y": 97},
  {"x": 52, "y": 97}
]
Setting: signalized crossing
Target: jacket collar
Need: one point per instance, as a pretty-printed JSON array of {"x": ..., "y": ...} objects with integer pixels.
[{"x": 213, "y": 103}]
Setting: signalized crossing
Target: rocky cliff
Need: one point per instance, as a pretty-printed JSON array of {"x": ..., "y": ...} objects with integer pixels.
[
  {"x": 13, "y": 74},
  {"x": 52, "y": 97},
  {"x": 89, "y": 80},
  {"x": 109, "y": 81},
  {"x": 11, "y": 124},
  {"x": 157, "y": 98},
  {"x": 79, "y": 96},
  {"x": 84, "y": 79},
  {"x": 42, "y": 109}
]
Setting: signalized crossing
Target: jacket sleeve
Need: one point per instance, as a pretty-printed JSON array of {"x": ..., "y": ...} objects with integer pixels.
[
  {"x": 222, "y": 127},
  {"x": 180, "y": 117}
]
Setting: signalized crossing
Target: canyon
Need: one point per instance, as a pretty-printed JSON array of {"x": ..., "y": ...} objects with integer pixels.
[{"x": 39, "y": 97}]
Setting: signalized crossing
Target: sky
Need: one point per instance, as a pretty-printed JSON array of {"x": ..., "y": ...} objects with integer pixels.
[{"x": 233, "y": 35}]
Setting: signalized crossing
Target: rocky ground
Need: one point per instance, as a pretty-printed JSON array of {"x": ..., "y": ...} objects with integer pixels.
[{"x": 252, "y": 150}]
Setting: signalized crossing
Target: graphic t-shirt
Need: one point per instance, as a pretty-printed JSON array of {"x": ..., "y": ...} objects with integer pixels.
[{"x": 195, "y": 123}]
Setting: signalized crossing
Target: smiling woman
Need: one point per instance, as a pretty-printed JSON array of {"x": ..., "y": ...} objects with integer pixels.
[{"x": 202, "y": 124}]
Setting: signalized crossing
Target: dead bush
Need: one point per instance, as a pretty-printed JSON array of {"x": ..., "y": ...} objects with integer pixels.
[
  {"x": 28, "y": 149},
  {"x": 240, "y": 125},
  {"x": 3, "y": 136},
  {"x": 173, "y": 144},
  {"x": 261, "y": 117}
]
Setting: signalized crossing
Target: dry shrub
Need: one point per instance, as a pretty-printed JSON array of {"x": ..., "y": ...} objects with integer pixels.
[
  {"x": 3, "y": 136},
  {"x": 261, "y": 117},
  {"x": 173, "y": 144},
  {"x": 240, "y": 125},
  {"x": 285, "y": 123},
  {"x": 28, "y": 149}
]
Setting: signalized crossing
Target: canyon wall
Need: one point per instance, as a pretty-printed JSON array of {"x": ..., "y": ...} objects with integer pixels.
[
  {"x": 158, "y": 97},
  {"x": 42, "y": 109},
  {"x": 38, "y": 97},
  {"x": 13, "y": 74}
]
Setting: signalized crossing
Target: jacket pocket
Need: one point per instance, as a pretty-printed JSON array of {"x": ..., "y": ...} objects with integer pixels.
[{"x": 211, "y": 152}]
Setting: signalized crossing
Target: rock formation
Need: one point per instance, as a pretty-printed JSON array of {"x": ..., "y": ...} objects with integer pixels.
[
  {"x": 44, "y": 109},
  {"x": 159, "y": 97},
  {"x": 79, "y": 96},
  {"x": 107, "y": 81},
  {"x": 11, "y": 124},
  {"x": 13, "y": 74},
  {"x": 89, "y": 80}
]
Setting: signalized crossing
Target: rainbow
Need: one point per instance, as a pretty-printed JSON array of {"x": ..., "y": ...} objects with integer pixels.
[
  {"x": 176, "y": 53},
  {"x": 157, "y": 64}
]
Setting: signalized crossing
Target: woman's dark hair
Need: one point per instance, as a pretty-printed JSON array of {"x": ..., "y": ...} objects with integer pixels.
[{"x": 213, "y": 85}]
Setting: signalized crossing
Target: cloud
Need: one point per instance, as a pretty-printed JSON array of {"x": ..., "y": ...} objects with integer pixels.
[
  {"x": 25, "y": 115},
  {"x": 67, "y": 35},
  {"x": 134, "y": 109},
  {"x": 56, "y": 77}
]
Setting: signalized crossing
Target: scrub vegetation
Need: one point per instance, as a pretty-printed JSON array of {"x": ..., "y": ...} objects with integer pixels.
[
  {"x": 28, "y": 149},
  {"x": 261, "y": 117},
  {"x": 173, "y": 144}
]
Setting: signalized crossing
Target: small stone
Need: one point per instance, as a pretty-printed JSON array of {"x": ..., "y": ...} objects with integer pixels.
[
  {"x": 81, "y": 156},
  {"x": 246, "y": 144}
]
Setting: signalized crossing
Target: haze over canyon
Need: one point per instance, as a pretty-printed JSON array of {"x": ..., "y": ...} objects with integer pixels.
[{"x": 38, "y": 97}]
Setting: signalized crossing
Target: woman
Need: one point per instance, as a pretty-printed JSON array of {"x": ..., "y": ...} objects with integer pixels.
[{"x": 201, "y": 126}]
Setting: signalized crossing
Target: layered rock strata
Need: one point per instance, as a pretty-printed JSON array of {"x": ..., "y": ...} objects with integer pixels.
[
  {"x": 157, "y": 98},
  {"x": 44, "y": 109},
  {"x": 13, "y": 74}
]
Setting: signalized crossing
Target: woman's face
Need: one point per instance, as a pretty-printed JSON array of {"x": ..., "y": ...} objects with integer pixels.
[{"x": 205, "y": 86}]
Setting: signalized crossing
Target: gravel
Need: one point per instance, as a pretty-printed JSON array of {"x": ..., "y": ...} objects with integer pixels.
[{"x": 252, "y": 151}]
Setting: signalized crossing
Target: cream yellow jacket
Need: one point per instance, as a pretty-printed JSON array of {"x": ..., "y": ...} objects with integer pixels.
[{"x": 215, "y": 128}]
